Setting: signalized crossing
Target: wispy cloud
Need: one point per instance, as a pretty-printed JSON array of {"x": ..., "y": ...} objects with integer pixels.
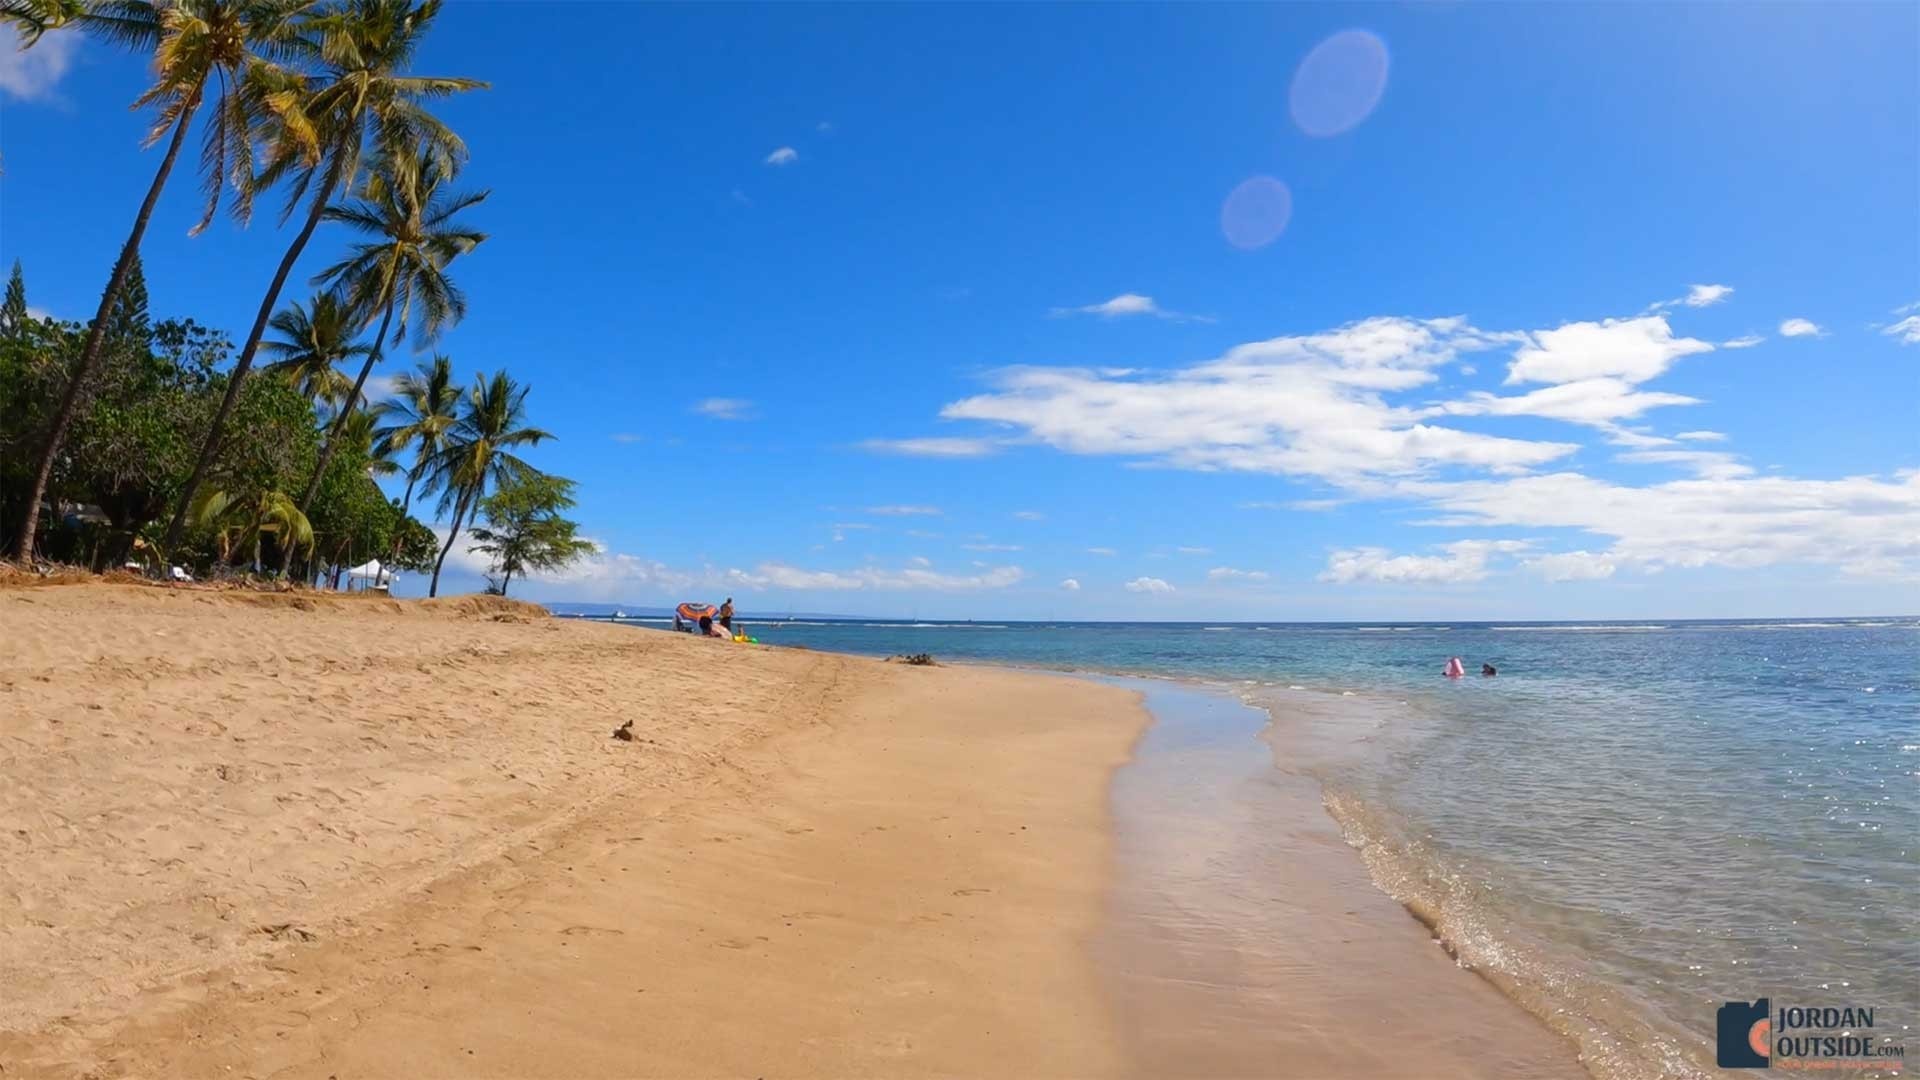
[
  {"x": 775, "y": 575},
  {"x": 1128, "y": 304},
  {"x": 723, "y": 408},
  {"x": 1747, "y": 341},
  {"x": 1101, "y": 551},
  {"x": 1071, "y": 585},
  {"x": 904, "y": 511},
  {"x": 786, "y": 155},
  {"x": 1148, "y": 585},
  {"x": 1701, "y": 436},
  {"x": 627, "y": 437},
  {"x": 1801, "y": 328},
  {"x": 1460, "y": 561},
  {"x": 1029, "y": 515},
  {"x": 1188, "y": 550},
  {"x": 34, "y": 74},
  {"x": 991, "y": 547},
  {"x": 934, "y": 446},
  {"x": 1228, "y": 573},
  {"x": 1906, "y": 331}
]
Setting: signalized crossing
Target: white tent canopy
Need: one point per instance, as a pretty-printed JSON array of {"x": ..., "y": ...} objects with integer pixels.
[{"x": 373, "y": 573}]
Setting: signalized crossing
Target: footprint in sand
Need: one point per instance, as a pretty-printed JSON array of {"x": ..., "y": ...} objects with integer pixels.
[
  {"x": 592, "y": 931},
  {"x": 970, "y": 892}
]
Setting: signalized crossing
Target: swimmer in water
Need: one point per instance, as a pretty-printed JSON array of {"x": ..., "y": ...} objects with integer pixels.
[{"x": 1489, "y": 670}]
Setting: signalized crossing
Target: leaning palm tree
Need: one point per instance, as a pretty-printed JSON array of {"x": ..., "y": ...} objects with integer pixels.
[
  {"x": 312, "y": 341},
  {"x": 240, "y": 524},
  {"x": 362, "y": 99},
  {"x": 195, "y": 44},
  {"x": 479, "y": 454},
  {"x": 423, "y": 410},
  {"x": 401, "y": 274}
]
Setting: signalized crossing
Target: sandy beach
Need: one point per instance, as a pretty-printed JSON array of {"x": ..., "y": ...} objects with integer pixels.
[{"x": 314, "y": 837}]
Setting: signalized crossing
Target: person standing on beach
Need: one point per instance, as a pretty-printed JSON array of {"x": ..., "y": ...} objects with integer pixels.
[{"x": 726, "y": 614}]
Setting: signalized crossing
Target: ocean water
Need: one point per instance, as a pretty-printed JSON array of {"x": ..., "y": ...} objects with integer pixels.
[{"x": 1629, "y": 826}]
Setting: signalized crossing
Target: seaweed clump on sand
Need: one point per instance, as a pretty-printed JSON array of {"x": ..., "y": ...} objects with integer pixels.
[{"x": 914, "y": 659}]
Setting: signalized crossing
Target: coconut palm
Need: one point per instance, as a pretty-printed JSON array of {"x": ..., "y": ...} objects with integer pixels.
[
  {"x": 362, "y": 100},
  {"x": 195, "y": 44},
  {"x": 423, "y": 410},
  {"x": 33, "y": 18},
  {"x": 403, "y": 273},
  {"x": 478, "y": 454},
  {"x": 239, "y": 524},
  {"x": 313, "y": 340}
]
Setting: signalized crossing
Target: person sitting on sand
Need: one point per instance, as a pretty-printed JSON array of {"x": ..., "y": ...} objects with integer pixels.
[
  {"x": 708, "y": 629},
  {"x": 726, "y": 614},
  {"x": 1489, "y": 670}
]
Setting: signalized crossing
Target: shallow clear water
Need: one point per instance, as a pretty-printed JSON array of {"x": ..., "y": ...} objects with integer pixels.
[{"x": 1630, "y": 825}]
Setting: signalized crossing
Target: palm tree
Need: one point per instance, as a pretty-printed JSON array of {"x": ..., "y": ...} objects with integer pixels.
[
  {"x": 359, "y": 429},
  {"x": 194, "y": 43},
  {"x": 405, "y": 206},
  {"x": 361, "y": 99},
  {"x": 35, "y": 17},
  {"x": 478, "y": 454},
  {"x": 424, "y": 409},
  {"x": 239, "y": 524},
  {"x": 314, "y": 340}
]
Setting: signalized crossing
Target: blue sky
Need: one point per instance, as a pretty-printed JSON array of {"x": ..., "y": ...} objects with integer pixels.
[{"x": 1575, "y": 310}]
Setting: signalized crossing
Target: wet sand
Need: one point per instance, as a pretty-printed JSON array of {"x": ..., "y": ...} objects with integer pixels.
[{"x": 1246, "y": 940}]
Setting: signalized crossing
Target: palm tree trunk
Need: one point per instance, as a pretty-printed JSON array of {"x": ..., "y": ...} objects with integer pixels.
[
  {"x": 340, "y": 422},
  {"x": 96, "y": 338},
  {"x": 245, "y": 363},
  {"x": 459, "y": 509}
]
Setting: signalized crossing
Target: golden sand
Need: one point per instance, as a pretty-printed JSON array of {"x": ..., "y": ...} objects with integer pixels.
[{"x": 299, "y": 836}]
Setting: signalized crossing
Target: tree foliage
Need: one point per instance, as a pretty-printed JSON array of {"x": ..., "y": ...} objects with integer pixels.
[{"x": 525, "y": 532}]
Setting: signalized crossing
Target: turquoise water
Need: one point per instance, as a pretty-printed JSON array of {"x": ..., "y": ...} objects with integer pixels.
[{"x": 1629, "y": 826}]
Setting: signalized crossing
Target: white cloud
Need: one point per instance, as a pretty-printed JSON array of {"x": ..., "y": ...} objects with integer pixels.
[
  {"x": 1633, "y": 350},
  {"x": 1713, "y": 464},
  {"x": 378, "y": 388},
  {"x": 1101, "y": 551},
  {"x": 934, "y": 447},
  {"x": 1188, "y": 550},
  {"x": 1571, "y": 566},
  {"x": 904, "y": 511},
  {"x": 1861, "y": 524},
  {"x": 991, "y": 547},
  {"x": 1594, "y": 401},
  {"x": 1071, "y": 585},
  {"x": 1029, "y": 515},
  {"x": 1701, "y": 436},
  {"x": 920, "y": 562},
  {"x": 33, "y": 74},
  {"x": 1294, "y": 504},
  {"x": 786, "y": 155},
  {"x": 922, "y": 534},
  {"x": 1228, "y": 573},
  {"x": 1308, "y": 405},
  {"x": 1148, "y": 585},
  {"x": 776, "y": 575},
  {"x": 1746, "y": 342},
  {"x": 1800, "y": 328},
  {"x": 1907, "y": 330},
  {"x": 722, "y": 408},
  {"x": 1706, "y": 295},
  {"x": 1127, "y": 304},
  {"x": 1463, "y": 561}
]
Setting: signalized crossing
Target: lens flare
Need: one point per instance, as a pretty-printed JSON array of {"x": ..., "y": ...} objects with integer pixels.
[
  {"x": 1256, "y": 212},
  {"x": 1339, "y": 83}
]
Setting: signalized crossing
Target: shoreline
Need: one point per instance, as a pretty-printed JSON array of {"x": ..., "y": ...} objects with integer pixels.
[{"x": 704, "y": 828}]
